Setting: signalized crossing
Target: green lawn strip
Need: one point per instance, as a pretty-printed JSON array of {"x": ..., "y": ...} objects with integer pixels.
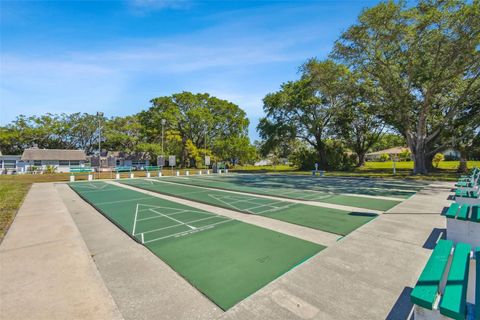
[
  {"x": 325, "y": 219},
  {"x": 290, "y": 193},
  {"x": 12, "y": 194},
  {"x": 227, "y": 262}
]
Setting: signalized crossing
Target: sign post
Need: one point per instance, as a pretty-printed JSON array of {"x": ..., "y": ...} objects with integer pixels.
[
  {"x": 161, "y": 164},
  {"x": 171, "y": 162},
  {"x": 207, "y": 162}
]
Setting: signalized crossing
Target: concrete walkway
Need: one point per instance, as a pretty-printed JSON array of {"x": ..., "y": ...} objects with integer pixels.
[
  {"x": 46, "y": 271},
  {"x": 367, "y": 275}
]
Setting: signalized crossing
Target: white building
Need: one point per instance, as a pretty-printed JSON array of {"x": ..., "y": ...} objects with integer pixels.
[
  {"x": 11, "y": 164},
  {"x": 61, "y": 159}
]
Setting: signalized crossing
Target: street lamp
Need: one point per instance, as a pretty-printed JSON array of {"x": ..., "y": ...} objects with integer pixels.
[
  {"x": 100, "y": 116},
  {"x": 205, "y": 150},
  {"x": 163, "y": 121}
]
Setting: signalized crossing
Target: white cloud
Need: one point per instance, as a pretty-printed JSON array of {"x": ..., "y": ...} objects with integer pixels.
[{"x": 141, "y": 7}]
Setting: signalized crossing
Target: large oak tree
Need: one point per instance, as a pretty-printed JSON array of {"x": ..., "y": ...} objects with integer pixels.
[{"x": 425, "y": 62}]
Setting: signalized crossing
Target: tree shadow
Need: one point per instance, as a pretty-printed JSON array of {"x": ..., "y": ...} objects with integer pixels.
[
  {"x": 363, "y": 214},
  {"x": 402, "y": 308},
  {"x": 433, "y": 238}
]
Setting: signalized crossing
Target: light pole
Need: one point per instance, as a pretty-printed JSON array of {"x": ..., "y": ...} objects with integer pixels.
[
  {"x": 99, "y": 115},
  {"x": 163, "y": 121},
  {"x": 205, "y": 150}
]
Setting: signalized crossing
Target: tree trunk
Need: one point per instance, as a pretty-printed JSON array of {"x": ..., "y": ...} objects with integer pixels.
[
  {"x": 462, "y": 166},
  {"x": 361, "y": 159},
  {"x": 419, "y": 163},
  {"x": 322, "y": 158}
]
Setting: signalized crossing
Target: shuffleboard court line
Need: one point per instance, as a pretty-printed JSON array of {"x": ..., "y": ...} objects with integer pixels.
[
  {"x": 189, "y": 231},
  {"x": 177, "y": 225},
  {"x": 135, "y": 219},
  {"x": 173, "y": 219},
  {"x": 120, "y": 201}
]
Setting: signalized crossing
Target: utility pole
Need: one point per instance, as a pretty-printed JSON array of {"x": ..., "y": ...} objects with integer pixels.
[
  {"x": 205, "y": 150},
  {"x": 99, "y": 116},
  {"x": 163, "y": 121}
]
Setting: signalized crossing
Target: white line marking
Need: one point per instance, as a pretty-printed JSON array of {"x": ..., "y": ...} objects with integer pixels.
[
  {"x": 191, "y": 227},
  {"x": 119, "y": 201},
  {"x": 177, "y": 225},
  {"x": 135, "y": 219},
  {"x": 190, "y": 231}
]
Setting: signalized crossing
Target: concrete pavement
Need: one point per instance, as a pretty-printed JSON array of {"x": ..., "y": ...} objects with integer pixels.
[{"x": 46, "y": 271}]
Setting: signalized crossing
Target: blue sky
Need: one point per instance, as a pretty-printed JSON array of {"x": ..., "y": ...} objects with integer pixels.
[{"x": 115, "y": 56}]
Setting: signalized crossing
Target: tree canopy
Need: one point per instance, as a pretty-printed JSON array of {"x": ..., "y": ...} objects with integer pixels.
[
  {"x": 189, "y": 120},
  {"x": 425, "y": 62}
]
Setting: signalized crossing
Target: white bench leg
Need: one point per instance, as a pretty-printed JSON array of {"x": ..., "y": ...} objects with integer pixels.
[
  {"x": 117, "y": 176},
  {"x": 131, "y": 175},
  {"x": 177, "y": 173},
  {"x": 148, "y": 174},
  {"x": 90, "y": 177},
  {"x": 72, "y": 178},
  {"x": 187, "y": 173}
]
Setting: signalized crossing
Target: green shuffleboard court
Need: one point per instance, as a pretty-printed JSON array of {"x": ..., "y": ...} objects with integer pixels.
[
  {"x": 225, "y": 259},
  {"x": 236, "y": 183},
  {"x": 320, "y": 218}
]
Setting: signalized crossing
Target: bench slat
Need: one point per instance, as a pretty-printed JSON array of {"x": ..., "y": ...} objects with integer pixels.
[
  {"x": 463, "y": 213},
  {"x": 452, "y": 211},
  {"x": 475, "y": 216},
  {"x": 454, "y": 299},
  {"x": 426, "y": 289}
]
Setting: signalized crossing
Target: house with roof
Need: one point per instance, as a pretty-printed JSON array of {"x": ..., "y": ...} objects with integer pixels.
[
  {"x": 61, "y": 159},
  {"x": 392, "y": 152},
  {"x": 11, "y": 164}
]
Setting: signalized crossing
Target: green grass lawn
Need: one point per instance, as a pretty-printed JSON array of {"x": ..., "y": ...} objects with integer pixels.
[{"x": 11, "y": 197}]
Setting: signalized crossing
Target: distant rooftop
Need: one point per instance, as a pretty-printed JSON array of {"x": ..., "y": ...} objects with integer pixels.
[
  {"x": 395, "y": 150},
  {"x": 53, "y": 154}
]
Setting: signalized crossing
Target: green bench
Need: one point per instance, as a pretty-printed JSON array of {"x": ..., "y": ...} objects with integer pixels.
[
  {"x": 80, "y": 170},
  {"x": 152, "y": 168},
  {"x": 443, "y": 284},
  {"x": 463, "y": 223},
  {"x": 123, "y": 169},
  {"x": 467, "y": 196}
]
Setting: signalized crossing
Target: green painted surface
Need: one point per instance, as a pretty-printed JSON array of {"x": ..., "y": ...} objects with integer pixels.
[
  {"x": 225, "y": 259},
  {"x": 475, "y": 216},
  {"x": 281, "y": 190},
  {"x": 452, "y": 211},
  {"x": 454, "y": 299},
  {"x": 326, "y": 219},
  {"x": 463, "y": 213},
  {"x": 426, "y": 289}
]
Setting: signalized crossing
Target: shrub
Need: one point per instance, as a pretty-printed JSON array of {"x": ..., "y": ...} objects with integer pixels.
[
  {"x": 384, "y": 157},
  {"x": 437, "y": 159}
]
